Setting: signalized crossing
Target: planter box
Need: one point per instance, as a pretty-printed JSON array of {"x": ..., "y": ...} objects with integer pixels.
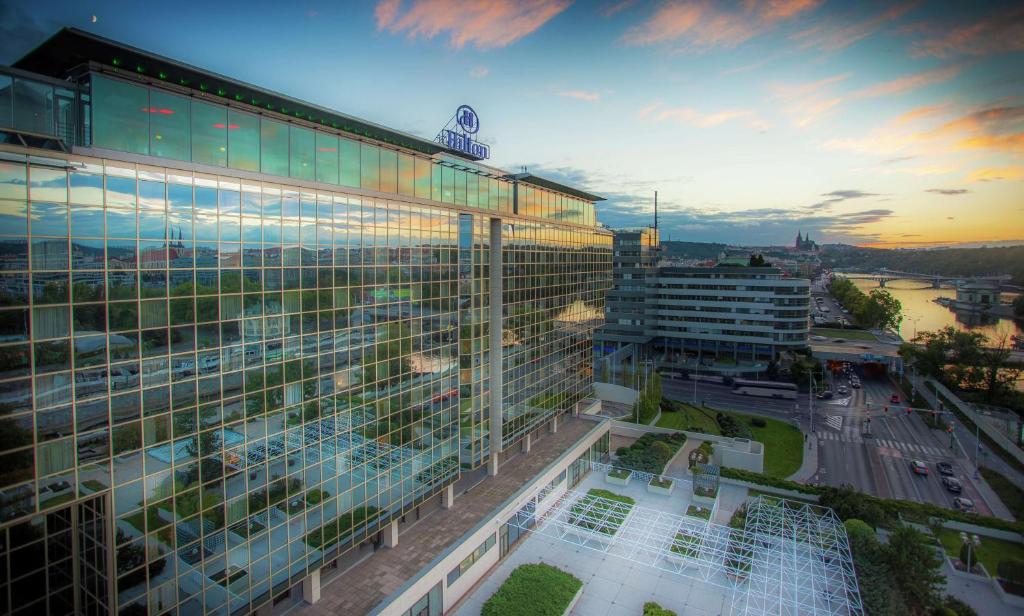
[
  {"x": 617, "y": 481},
  {"x": 575, "y": 600},
  {"x": 653, "y": 489},
  {"x": 705, "y": 501},
  {"x": 1007, "y": 597}
]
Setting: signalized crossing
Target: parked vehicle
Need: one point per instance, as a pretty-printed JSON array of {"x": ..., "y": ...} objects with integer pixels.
[
  {"x": 764, "y": 389},
  {"x": 919, "y": 467},
  {"x": 825, "y": 395},
  {"x": 945, "y": 468},
  {"x": 855, "y": 384},
  {"x": 895, "y": 398},
  {"x": 953, "y": 484},
  {"x": 842, "y": 390}
]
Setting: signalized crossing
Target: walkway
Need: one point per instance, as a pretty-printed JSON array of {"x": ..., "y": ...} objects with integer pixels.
[
  {"x": 977, "y": 593},
  {"x": 362, "y": 588}
]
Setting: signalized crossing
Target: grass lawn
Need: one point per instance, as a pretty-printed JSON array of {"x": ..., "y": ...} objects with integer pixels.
[
  {"x": 696, "y": 511},
  {"x": 589, "y": 507},
  {"x": 846, "y": 334},
  {"x": 1011, "y": 495},
  {"x": 536, "y": 588},
  {"x": 689, "y": 416},
  {"x": 991, "y": 552}
]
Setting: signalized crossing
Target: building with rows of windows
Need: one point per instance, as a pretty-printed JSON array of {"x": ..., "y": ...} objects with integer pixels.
[{"x": 243, "y": 337}]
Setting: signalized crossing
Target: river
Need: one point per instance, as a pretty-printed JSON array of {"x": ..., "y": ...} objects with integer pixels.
[{"x": 921, "y": 313}]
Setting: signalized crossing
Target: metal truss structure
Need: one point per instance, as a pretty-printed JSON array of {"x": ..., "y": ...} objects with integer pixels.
[{"x": 790, "y": 558}]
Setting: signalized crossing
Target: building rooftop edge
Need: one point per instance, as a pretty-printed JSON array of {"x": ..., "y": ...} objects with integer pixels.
[{"x": 70, "y": 47}]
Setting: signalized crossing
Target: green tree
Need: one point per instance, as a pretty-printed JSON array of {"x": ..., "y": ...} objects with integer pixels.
[{"x": 914, "y": 567}]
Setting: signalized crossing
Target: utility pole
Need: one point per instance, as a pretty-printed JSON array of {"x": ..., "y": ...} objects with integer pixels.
[
  {"x": 656, "y": 213},
  {"x": 810, "y": 400}
]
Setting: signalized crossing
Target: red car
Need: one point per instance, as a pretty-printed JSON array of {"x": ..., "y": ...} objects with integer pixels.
[
  {"x": 895, "y": 398},
  {"x": 919, "y": 467}
]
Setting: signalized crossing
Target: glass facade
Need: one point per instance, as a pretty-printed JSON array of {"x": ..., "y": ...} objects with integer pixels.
[{"x": 212, "y": 384}]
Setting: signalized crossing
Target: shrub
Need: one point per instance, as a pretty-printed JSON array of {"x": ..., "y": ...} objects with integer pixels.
[
  {"x": 758, "y": 422},
  {"x": 651, "y": 452},
  {"x": 858, "y": 530},
  {"x": 958, "y": 607},
  {"x": 653, "y": 609},
  {"x": 533, "y": 589},
  {"x": 730, "y": 426},
  {"x": 1012, "y": 570}
]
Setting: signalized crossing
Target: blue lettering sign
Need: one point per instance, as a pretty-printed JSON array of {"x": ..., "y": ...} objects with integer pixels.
[{"x": 467, "y": 124}]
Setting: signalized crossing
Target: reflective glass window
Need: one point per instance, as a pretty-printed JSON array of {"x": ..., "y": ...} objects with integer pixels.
[
  {"x": 370, "y": 166},
  {"x": 448, "y": 184},
  {"x": 86, "y": 188},
  {"x": 48, "y": 184},
  {"x": 6, "y": 100},
  {"x": 13, "y": 180},
  {"x": 350, "y": 159},
  {"x": 406, "y": 174},
  {"x": 243, "y": 141},
  {"x": 33, "y": 106},
  {"x": 422, "y": 177},
  {"x": 388, "y": 170},
  {"x": 13, "y": 216},
  {"x": 326, "y": 158},
  {"x": 273, "y": 147},
  {"x": 302, "y": 153},
  {"x": 209, "y": 134},
  {"x": 120, "y": 116},
  {"x": 460, "y": 187},
  {"x": 168, "y": 125}
]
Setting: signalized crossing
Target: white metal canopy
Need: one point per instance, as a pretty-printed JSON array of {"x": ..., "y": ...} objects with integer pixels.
[{"x": 790, "y": 558}]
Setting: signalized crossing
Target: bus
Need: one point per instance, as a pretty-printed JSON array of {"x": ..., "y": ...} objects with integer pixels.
[{"x": 764, "y": 389}]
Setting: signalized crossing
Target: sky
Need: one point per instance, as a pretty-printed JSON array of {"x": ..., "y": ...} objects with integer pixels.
[{"x": 874, "y": 123}]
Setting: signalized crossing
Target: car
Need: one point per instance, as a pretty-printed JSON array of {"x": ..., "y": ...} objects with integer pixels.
[
  {"x": 919, "y": 467},
  {"x": 953, "y": 484},
  {"x": 855, "y": 384},
  {"x": 818, "y": 338},
  {"x": 825, "y": 395},
  {"x": 945, "y": 468},
  {"x": 963, "y": 504},
  {"x": 842, "y": 390},
  {"x": 839, "y": 341},
  {"x": 895, "y": 398}
]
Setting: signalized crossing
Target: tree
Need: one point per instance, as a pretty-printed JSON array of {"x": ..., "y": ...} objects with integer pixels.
[
  {"x": 914, "y": 567},
  {"x": 889, "y": 309},
  {"x": 757, "y": 260}
]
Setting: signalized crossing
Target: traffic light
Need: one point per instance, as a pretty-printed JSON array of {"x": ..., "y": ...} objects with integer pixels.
[
  {"x": 949, "y": 428},
  {"x": 886, "y": 408},
  {"x": 908, "y": 410}
]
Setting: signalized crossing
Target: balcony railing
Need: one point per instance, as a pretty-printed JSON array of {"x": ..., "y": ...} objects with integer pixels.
[{"x": 37, "y": 111}]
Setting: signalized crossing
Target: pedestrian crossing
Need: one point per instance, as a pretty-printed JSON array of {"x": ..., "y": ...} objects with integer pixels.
[
  {"x": 834, "y": 421},
  {"x": 851, "y": 434}
]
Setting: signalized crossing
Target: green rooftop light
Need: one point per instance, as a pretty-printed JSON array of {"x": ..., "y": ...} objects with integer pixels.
[
  {"x": 221, "y": 92},
  {"x": 139, "y": 69},
  {"x": 116, "y": 61},
  {"x": 203, "y": 87},
  {"x": 238, "y": 97},
  {"x": 162, "y": 75}
]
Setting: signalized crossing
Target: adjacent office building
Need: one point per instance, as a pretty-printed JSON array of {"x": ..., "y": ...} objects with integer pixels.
[
  {"x": 241, "y": 333},
  {"x": 634, "y": 255}
]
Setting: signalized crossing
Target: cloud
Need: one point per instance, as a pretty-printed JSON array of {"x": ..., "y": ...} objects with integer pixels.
[
  {"x": 996, "y": 174},
  {"x": 950, "y": 192},
  {"x": 616, "y": 7},
  {"x": 479, "y": 72},
  {"x": 840, "y": 33},
  {"x": 838, "y": 196},
  {"x": 21, "y": 30},
  {"x": 697, "y": 24},
  {"x": 807, "y": 103},
  {"x": 690, "y": 116},
  {"x": 582, "y": 95},
  {"x": 997, "y": 32},
  {"x": 910, "y": 82},
  {"x": 484, "y": 25}
]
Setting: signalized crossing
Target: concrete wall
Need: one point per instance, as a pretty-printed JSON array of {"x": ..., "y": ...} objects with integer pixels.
[
  {"x": 616, "y": 393},
  {"x": 997, "y": 436},
  {"x": 732, "y": 452},
  {"x": 437, "y": 571}
]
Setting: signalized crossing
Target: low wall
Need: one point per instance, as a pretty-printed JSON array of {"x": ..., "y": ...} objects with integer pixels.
[
  {"x": 616, "y": 393},
  {"x": 1004, "y": 443},
  {"x": 770, "y": 490},
  {"x": 738, "y": 453},
  {"x": 984, "y": 531}
]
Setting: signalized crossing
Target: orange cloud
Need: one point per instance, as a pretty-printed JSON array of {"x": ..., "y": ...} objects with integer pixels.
[
  {"x": 910, "y": 82},
  {"x": 998, "y": 33},
  {"x": 993, "y": 174},
  {"x": 582, "y": 95},
  {"x": 842, "y": 35},
  {"x": 708, "y": 24},
  {"x": 484, "y": 25},
  {"x": 806, "y": 103},
  {"x": 919, "y": 112}
]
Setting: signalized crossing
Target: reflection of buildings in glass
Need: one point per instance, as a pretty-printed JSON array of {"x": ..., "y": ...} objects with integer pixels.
[{"x": 224, "y": 346}]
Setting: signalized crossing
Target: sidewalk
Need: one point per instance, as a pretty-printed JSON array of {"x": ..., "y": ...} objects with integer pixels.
[{"x": 810, "y": 463}]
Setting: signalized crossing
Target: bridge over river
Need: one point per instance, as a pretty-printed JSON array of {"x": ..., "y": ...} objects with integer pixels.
[{"x": 884, "y": 275}]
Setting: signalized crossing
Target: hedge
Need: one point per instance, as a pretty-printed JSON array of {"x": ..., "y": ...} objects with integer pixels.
[
  {"x": 650, "y": 453},
  {"x": 653, "y": 609},
  {"x": 538, "y": 589},
  {"x": 907, "y": 510}
]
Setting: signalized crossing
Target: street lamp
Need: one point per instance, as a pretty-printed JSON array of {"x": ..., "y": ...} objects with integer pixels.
[{"x": 971, "y": 542}]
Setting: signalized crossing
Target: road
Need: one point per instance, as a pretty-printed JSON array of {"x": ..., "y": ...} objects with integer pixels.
[
  {"x": 878, "y": 462},
  {"x": 721, "y": 397}
]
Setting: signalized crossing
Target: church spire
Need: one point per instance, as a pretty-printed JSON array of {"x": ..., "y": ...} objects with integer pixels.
[{"x": 799, "y": 240}]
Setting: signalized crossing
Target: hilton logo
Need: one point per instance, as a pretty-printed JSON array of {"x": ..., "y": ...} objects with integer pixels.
[{"x": 466, "y": 123}]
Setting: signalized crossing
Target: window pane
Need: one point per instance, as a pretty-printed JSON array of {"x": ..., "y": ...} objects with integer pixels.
[
  {"x": 168, "y": 125},
  {"x": 422, "y": 178},
  {"x": 405, "y": 175},
  {"x": 33, "y": 106},
  {"x": 370, "y": 172},
  {"x": 120, "y": 116},
  {"x": 273, "y": 147},
  {"x": 447, "y": 184},
  {"x": 6, "y": 99},
  {"x": 243, "y": 141},
  {"x": 388, "y": 171},
  {"x": 209, "y": 134},
  {"x": 302, "y": 153},
  {"x": 435, "y": 182},
  {"x": 326, "y": 158},
  {"x": 460, "y": 187},
  {"x": 349, "y": 163}
]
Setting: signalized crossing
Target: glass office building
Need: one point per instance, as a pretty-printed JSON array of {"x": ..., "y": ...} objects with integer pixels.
[{"x": 239, "y": 333}]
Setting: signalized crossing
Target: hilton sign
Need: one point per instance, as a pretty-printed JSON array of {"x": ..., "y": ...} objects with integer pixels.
[{"x": 460, "y": 136}]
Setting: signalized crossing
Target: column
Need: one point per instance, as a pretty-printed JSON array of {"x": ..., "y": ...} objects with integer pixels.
[
  {"x": 553, "y": 426},
  {"x": 448, "y": 497},
  {"x": 390, "y": 533},
  {"x": 496, "y": 374},
  {"x": 526, "y": 443},
  {"x": 311, "y": 588}
]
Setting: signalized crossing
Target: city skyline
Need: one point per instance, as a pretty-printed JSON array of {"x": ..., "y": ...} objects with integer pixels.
[{"x": 864, "y": 124}]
